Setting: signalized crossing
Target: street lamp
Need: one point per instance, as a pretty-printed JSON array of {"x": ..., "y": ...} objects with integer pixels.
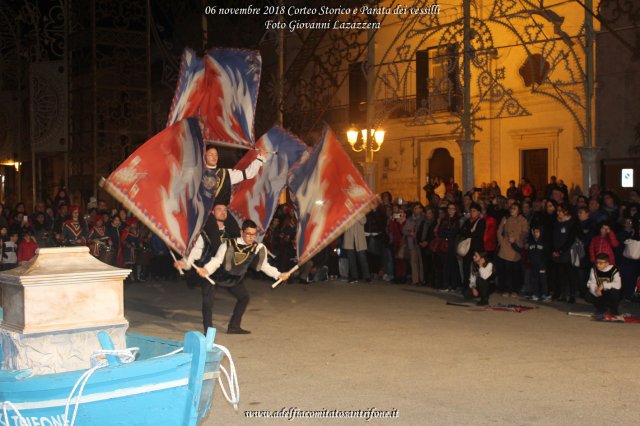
[{"x": 368, "y": 145}]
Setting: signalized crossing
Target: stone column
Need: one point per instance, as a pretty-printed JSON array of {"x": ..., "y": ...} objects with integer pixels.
[
  {"x": 467, "y": 142},
  {"x": 468, "y": 173},
  {"x": 589, "y": 156}
]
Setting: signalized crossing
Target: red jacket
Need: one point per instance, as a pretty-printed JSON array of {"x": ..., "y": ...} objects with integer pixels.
[
  {"x": 26, "y": 250},
  {"x": 490, "y": 237},
  {"x": 605, "y": 244}
]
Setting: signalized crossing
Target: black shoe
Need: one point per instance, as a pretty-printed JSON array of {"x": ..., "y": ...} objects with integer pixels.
[
  {"x": 571, "y": 300},
  {"x": 237, "y": 331},
  {"x": 482, "y": 303}
]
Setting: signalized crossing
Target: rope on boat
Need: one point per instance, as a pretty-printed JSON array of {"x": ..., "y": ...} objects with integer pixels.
[
  {"x": 177, "y": 351},
  {"x": 98, "y": 361},
  {"x": 232, "y": 379}
]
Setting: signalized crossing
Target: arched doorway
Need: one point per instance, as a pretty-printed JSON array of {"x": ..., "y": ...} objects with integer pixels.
[{"x": 441, "y": 164}]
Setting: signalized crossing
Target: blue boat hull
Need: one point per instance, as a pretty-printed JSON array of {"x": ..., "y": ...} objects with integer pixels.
[{"x": 169, "y": 390}]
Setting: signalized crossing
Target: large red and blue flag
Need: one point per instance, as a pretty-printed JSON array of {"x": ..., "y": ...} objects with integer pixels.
[
  {"x": 190, "y": 90},
  {"x": 163, "y": 184},
  {"x": 257, "y": 199},
  {"x": 329, "y": 195},
  {"x": 227, "y": 110},
  {"x": 221, "y": 90}
]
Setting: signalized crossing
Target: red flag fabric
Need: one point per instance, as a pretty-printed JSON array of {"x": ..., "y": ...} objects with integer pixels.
[
  {"x": 190, "y": 90},
  {"x": 257, "y": 199},
  {"x": 329, "y": 195},
  {"x": 163, "y": 184},
  {"x": 221, "y": 90}
]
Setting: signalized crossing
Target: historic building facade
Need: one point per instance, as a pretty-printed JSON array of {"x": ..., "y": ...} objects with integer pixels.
[
  {"x": 528, "y": 70},
  {"x": 475, "y": 90}
]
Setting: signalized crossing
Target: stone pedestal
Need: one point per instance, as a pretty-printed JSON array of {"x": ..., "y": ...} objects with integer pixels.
[
  {"x": 54, "y": 306},
  {"x": 62, "y": 289}
]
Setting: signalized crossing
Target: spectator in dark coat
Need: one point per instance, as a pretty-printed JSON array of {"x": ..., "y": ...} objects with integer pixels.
[
  {"x": 472, "y": 228},
  {"x": 564, "y": 235}
]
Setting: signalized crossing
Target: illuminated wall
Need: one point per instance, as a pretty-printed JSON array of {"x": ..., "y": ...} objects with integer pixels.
[{"x": 527, "y": 81}]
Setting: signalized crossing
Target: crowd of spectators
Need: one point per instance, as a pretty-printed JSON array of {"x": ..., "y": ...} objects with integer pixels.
[
  {"x": 541, "y": 244},
  {"x": 544, "y": 245},
  {"x": 112, "y": 235}
]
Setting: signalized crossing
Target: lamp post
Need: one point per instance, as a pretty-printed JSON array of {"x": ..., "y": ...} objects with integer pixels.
[
  {"x": 370, "y": 142},
  {"x": 371, "y": 138}
]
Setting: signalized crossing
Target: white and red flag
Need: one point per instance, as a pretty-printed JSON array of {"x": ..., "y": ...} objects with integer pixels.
[
  {"x": 221, "y": 90},
  {"x": 190, "y": 90},
  {"x": 329, "y": 195},
  {"x": 162, "y": 184},
  {"x": 257, "y": 199}
]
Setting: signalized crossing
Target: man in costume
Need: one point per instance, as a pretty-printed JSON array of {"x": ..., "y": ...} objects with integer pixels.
[
  {"x": 218, "y": 229},
  {"x": 98, "y": 239},
  {"x": 130, "y": 242},
  {"x": 113, "y": 232},
  {"x": 217, "y": 181},
  {"x": 231, "y": 262}
]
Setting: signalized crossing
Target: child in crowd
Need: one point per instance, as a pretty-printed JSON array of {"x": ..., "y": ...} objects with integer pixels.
[
  {"x": 537, "y": 258},
  {"x": 27, "y": 247},
  {"x": 10, "y": 252},
  {"x": 603, "y": 243},
  {"x": 605, "y": 284},
  {"x": 481, "y": 277}
]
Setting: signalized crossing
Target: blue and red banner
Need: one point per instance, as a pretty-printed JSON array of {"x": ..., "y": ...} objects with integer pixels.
[
  {"x": 162, "y": 184},
  {"x": 221, "y": 90},
  {"x": 190, "y": 90},
  {"x": 228, "y": 108},
  {"x": 329, "y": 195},
  {"x": 257, "y": 199}
]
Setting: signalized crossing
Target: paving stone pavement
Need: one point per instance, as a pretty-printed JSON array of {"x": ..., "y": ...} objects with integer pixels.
[{"x": 338, "y": 346}]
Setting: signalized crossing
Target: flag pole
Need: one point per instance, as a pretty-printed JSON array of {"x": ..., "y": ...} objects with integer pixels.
[
  {"x": 291, "y": 271},
  {"x": 212, "y": 282},
  {"x": 175, "y": 260}
]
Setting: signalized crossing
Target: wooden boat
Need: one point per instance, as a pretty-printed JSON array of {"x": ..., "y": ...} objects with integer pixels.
[
  {"x": 163, "y": 386},
  {"x": 54, "y": 372}
]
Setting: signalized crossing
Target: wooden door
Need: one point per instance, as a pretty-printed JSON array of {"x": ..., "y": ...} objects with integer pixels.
[
  {"x": 441, "y": 164},
  {"x": 535, "y": 167}
]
